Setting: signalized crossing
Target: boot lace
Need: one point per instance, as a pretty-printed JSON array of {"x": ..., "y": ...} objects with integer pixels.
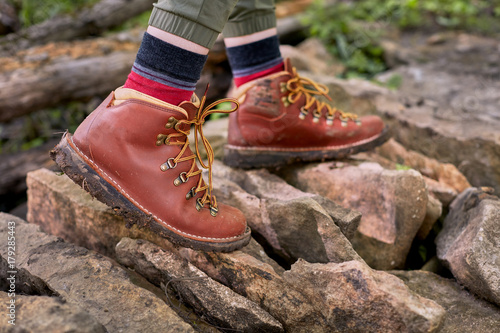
[
  {"x": 183, "y": 128},
  {"x": 299, "y": 86}
]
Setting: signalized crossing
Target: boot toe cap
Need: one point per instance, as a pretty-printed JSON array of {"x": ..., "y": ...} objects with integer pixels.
[{"x": 230, "y": 222}]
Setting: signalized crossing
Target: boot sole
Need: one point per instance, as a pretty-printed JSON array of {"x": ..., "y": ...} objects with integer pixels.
[
  {"x": 251, "y": 157},
  {"x": 75, "y": 167}
]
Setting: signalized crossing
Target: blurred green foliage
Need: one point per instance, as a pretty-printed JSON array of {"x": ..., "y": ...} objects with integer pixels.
[
  {"x": 38, "y": 127},
  {"x": 394, "y": 82},
  {"x": 351, "y": 29},
  {"x": 402, "y": 167},
  {"x": 35, "y": 11},
  {"x": 140, "y": 21}
]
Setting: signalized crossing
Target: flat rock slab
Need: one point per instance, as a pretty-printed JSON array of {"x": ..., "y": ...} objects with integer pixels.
[
  {"x": 469, "y": 244},
  {"x": 89, "y": 280},
  {"x": 258, "y": 282},
  {"x": 465, "y": 313},
  {"x": 389, "y": 223},
  {"x": 43, "y": 314},
  {"x": 354, "y": 298},
  {"x": 62, "y": 208},
  {"x": 216, "y": 302}
]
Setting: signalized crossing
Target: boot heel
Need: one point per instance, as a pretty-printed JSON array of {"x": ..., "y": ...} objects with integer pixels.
[{"x": 88, "y": 179}]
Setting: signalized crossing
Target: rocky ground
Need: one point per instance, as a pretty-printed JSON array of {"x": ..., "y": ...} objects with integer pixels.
[{"x": 332, "y": 242}]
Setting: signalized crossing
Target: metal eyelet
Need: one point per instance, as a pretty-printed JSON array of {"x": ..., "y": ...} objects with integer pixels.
[
  {"x": 283, "y": 87},
  {"x": 160, "y": 139},
  {"x": 329, "y": 119},
  {"x": 213, "y": 211},
  {"x": 303, "y": 113},
  {"x": 191, "y": 193},
  {"x": 171, "y": 123},
  {"x": 285, "y": 101},
  {"x": 358, "y": 122},
  {"x": 199, "y": 205},
  {"x": 343, "y": 121},
  {"x": 181, "y": 179},
  {"x": 316, "y": 116},
  {"x": 169, "y": 164}
]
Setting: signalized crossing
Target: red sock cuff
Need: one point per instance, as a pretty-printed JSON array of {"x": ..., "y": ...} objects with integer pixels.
[{"x": 157, "y": 90}]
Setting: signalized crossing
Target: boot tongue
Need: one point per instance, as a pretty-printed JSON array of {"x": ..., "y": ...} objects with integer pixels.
[
  {"x": 288, "y": 66},
  {"x": 191, "y": 106}
]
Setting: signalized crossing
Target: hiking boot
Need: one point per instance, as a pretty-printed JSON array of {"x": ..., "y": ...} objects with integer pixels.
[
  {"x": 132, "y": 153},
  {"x": 280, "y": 121}
]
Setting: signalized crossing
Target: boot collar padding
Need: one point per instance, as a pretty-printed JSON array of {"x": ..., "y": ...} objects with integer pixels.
[{"x": 123, "y": 94}]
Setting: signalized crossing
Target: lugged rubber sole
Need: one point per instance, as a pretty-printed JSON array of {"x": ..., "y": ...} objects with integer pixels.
[
  {"x": 261, "y": 157},
  {"x": 86, "y": 177}
]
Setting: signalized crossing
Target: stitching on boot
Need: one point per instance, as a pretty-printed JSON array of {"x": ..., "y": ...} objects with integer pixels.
[{"x": 122, "y": 191}]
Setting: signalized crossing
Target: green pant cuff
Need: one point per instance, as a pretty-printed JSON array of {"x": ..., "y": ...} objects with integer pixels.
[
  {"x": 259, "y": 22},
  {"x": 183, "y": 27}
]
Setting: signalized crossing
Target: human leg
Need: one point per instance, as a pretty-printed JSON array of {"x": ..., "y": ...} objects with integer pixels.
[
  {"x": 251, "y": 41},
  {"x": 174, "y": 48}
]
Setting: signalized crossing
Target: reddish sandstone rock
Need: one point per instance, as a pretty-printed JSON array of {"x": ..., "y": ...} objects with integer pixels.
[
  {"x": 354, "y": 298},
  {"x": 465, "y": 313},
  {"x": 469, "y": 244},
  {"x": 445, "y": 173},
  {"x": 393, "y": 204}
]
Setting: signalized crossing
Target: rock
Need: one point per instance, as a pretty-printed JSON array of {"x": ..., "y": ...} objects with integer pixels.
[
  {"x": 311, "y": 56},
  {"x": 445, "y": 173},
  {"x": 62, "y": 208},
  {"x": 266, "y": 186},
  {"x": 432, "y": 214},
  {"x": 255, "y": 250},
  {"x": 389, "y": 223},
  {"x": 394, "y": 55},
  {"x": 443, "y": 193},
  {"x": 91, "y": 281},
  {"x": 347, "y": 220},
  {"x": 259, "y": 283},
  {"x": 293, "y": 222},
  {"x": 465, "y": 313},
  {"x": 469, "y": 243},
  {"x": 214, "y": 301},
  {"x": 434, "y": 265},
  {"x": 26, "y": 283},
  {"x": 45, "y": 314},
  {"x": 354, "y": 298}
]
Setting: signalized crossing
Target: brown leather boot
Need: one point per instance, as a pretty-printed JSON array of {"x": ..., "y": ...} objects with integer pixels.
[
  {"x": 133, "y": 154},
  {"x": 279, "y": 121}
]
